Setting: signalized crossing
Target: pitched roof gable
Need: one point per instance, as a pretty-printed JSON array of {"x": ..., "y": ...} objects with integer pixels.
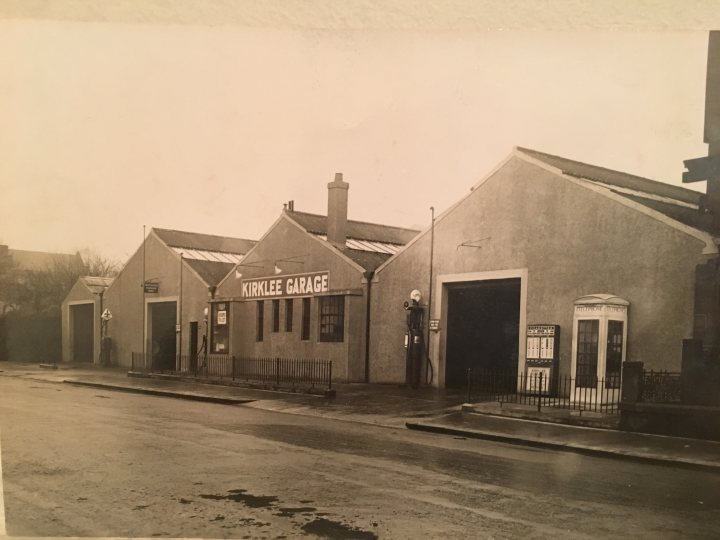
[
  {"x": 673, "y": 205},
  {"x": 675, "y": 202}
]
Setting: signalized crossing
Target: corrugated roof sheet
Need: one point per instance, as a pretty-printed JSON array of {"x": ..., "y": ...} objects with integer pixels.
[
  {"x": 675, "y": 202},
  {"x": 357, "y": 230},
  {"x": 208, "y": 242},
  {"x": 206, "y": 255}
]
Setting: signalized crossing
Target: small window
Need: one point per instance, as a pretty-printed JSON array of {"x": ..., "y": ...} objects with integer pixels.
[
  {"x": 260, "y": 320},
  {"x": 288, "y": 314},
  {"x": 332, "y": 318},
  {"x": 305, "y": 333},
  {"x": 276, "y": 315}
]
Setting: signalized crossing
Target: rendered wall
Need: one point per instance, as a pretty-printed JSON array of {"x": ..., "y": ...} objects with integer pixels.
[
  {"x": 125, "y": 296},
  {"x": 286, "y": 240},
  {"x": 572, "y": 241}
]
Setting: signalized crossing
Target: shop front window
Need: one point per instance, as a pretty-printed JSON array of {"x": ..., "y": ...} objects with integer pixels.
[
  {"x": 332, "y": 318},
  {"x": 220, "y": 332}
]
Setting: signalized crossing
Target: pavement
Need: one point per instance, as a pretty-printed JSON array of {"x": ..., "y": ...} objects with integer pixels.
[{"x": 425, "y": 409}]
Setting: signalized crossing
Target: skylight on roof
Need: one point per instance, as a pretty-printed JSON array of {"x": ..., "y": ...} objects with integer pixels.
[
  {"x": 207, "y": 255},
  {"x": 371, "y": 246}
]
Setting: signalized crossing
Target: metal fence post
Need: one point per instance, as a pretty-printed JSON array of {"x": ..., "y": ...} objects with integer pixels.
[
  {"x": 469, "y": 382},
  {"x": 277, "y": 371},
  {"x": 329, "y": 374},
  {"x": 539, "y": 393}
]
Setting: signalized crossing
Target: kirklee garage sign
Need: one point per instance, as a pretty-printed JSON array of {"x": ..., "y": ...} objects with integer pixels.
[{"x": 293, "y": 285}]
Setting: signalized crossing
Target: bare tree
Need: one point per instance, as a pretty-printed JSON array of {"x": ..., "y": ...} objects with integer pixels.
[{"x": 44, "y": 290}]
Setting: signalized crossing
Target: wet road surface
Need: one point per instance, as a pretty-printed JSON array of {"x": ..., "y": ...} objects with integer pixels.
[{"x": 84, "y": 462}]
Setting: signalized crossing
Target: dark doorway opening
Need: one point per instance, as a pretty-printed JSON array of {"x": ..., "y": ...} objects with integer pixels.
[
  {"x": 163, "y": 316},
  {"x": 83, "y": 332},
  {"x": 483, "y": 320},
  {"x": 193, "y": 345}
]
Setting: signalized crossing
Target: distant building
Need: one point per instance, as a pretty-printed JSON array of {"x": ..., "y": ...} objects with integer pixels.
[{"x": 16, "y": 264}]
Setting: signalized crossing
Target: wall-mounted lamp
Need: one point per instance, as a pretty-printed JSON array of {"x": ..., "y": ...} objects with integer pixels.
[
  {"x": 472, "y": 243},
  {"x": 276, "y": 268}
]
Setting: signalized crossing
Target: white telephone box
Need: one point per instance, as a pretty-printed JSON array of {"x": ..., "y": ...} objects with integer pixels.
[{"x": 598, "y": 347}]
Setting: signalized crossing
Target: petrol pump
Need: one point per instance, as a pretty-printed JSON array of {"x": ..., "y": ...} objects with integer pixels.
[{"x": 414, "y": 345}]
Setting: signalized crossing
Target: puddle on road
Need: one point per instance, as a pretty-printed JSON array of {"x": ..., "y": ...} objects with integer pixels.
[
  {"x": 241, "y": 496},
  {"x": 319, "y": 526},
  {"x": 333, "y": 529},
  {"x": 290, "y": 512}
]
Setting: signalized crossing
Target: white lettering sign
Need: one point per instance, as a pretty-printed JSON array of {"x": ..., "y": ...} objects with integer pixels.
[{"x": 293, "y": 285}]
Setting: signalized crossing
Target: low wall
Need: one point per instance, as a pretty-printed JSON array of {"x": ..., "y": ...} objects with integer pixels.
[
  {"x": 30, "y": 338},
  {"x": 694, "y": 421}
]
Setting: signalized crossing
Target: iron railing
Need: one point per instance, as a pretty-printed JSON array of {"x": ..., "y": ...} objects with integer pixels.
[
  {"x": 557, "y": 392},
  {"x": 661, "y": 387},
  {"x": 289, "y": 372}
]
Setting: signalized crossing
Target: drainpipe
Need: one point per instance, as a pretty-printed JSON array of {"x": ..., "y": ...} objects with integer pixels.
[
  {"x": 428, "y": 366},
  {"x": 368, "y": 276}
]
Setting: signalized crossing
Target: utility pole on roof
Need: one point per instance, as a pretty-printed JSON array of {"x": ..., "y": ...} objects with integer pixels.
[{"x": 708, "y": 168}]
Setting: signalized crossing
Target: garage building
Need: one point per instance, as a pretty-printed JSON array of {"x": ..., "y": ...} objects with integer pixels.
[{"x": 607, "y": 264}]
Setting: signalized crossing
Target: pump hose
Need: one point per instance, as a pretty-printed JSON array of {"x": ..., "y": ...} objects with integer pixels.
[{"x": 430, "y": 371}]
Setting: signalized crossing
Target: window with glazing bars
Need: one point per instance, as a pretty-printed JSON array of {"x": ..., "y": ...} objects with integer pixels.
[
  {"x": 288, "y": 314},
  {"x": 587, "y": 354},
  {"x": 305, "y": 330},
  {"x": 260, "y": 320},
  {"x": 332, "y": 318},
  {"x": 276, "y": 315}
]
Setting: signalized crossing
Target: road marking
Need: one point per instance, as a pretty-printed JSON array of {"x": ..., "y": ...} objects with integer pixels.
[{"x": 3, "y": 531}]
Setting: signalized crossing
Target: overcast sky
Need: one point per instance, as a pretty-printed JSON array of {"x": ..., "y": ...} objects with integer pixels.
[{"x": 107, "y": 126}]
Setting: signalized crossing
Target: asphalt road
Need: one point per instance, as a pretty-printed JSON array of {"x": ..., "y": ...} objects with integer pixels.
[{"x": 85, "y": 462}]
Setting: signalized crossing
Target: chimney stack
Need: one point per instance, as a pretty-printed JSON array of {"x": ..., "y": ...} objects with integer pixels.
[{"x": 337, "y": 211}]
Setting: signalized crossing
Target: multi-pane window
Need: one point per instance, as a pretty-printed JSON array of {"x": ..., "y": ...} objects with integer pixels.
[
  {"x": 260, "y": 320},
  {"x": 276, "y": 315},
  {"x": 587, "y": 353},
  {"x": 613, "y": 361},
  {"x": 332, "y": 318},
  {"x": 288, "y": 314},
  {"x": 305, "y": 330}
]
